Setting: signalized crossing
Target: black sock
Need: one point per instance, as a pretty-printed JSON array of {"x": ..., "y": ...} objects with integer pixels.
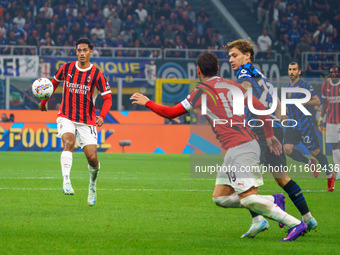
[
  {"x": 253, "y": 214},
  {"x": 295, "y": 194},
  {"x": 298, "y": 156},
  {"x": 323, "y": 162}
]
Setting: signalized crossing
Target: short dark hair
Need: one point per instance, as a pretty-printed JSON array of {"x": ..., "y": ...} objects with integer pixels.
[
  {"x": 295, "y": 63},
  {"x": 207, "y": 62},
  {"x": 84, "y": 40}
]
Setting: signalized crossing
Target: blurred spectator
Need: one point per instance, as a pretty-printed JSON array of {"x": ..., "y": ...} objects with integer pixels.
[
  {"x": 60, "y": 10},
  {"x": 3, "y": 41},
  {"x": 264, "y": 46},
  {"x": 191, "y": 13},
  {"x": 72, "y": 10},
  {"x": 33, "y": 39},
  {"x": 263, "y": 11},
  {"x": 3, "y": 28},
  {"x": 165, "y": 11},
  {"x": 202, "y": 13},
  {"x": 32, "y": 8},
  {"x": 141, "y": 13},
  {"x": 109, "y": 10},
  {"x": 330, "y": 45},
  {"x": 320, "y": 36},
  {"x": 98, "y": 31},
  {"x": 181, "y": 3},
  {"x": 116, "y": 22},
  {"x": 313, "y": 60},
  {"x": 186, "y": 22},
  {"x": 19, "y": 20},
  {"x": 200, "y": 26},
  {"x": 302, "y": 46},
  {"x": 47, "y": 10},
  {"x": 169, "y": 33},
  {"x": 292, "y": 38},
  {"x": 18, "y": 32},
  {"x": 109, "y": 29}
]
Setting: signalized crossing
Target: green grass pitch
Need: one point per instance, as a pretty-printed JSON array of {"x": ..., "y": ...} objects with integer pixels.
[{"x": 147, "y": 204}]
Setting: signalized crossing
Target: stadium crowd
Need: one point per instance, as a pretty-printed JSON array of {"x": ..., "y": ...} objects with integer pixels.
[
  {"x": 112, "y": 23},
  {"x": 298, "y": 26},
  {"x": 294, "y": 26}
]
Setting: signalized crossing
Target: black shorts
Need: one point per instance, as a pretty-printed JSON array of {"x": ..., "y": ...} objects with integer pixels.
[
  {"x": 268, "y": 158},
  {"x": 307, "y": 136}
]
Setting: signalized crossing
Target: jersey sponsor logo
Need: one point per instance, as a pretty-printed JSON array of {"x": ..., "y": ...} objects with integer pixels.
[{"x": 71, "y": 75}]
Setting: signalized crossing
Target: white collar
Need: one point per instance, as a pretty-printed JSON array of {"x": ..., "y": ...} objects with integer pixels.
[{"x": 83, "y": 70}]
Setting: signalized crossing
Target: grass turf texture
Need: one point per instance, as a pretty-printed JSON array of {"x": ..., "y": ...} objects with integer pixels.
[{"x": 147, "y": 204}]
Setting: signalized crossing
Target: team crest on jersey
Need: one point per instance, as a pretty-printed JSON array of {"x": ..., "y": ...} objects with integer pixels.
[
  {"x": 290, "y": 95},
  {"x": 88, "y": 78}
]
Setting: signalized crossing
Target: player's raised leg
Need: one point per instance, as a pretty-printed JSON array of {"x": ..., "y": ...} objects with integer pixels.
[{"x": 93, "y": 166}]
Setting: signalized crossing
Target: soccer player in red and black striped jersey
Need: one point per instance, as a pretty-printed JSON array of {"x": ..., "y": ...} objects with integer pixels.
[
  {"x": 331, "y": 105},
  {"x": 233, "y": 189},
  {"x": 82, "y": 83}
]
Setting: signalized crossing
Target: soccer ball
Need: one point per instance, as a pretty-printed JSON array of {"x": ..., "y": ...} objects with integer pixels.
[{"x": 42, "y": 88}]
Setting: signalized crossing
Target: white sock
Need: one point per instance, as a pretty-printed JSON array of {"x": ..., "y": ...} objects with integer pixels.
[
  {"x": 93, "y": 173},
  {"x": 336, "y": 159},
  {"x": 268, "y": 209},
  {"x": 66, "y": 164}
]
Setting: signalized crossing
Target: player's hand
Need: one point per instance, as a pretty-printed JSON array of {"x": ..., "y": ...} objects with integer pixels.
[
  {"x": 42, "y": 108},
  {"x": 321, "y": 124},
  {"x": 274, "y": 145},
  {"x": 99, "y": 121},
  {"x": 139, "y": 99}
]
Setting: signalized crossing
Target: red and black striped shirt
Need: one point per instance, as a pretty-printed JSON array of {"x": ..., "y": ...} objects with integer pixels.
[
  {"x": 331, "y": 93},
  {"x": 81, "y": 87}
]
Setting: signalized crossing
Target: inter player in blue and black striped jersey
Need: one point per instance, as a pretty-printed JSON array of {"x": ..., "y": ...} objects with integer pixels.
[
  {"x": 304, "y": 130},
  {"x": 241, "y": 55}
]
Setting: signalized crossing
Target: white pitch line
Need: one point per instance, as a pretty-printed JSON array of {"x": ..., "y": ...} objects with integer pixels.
[{"x": 151, "y": 190}]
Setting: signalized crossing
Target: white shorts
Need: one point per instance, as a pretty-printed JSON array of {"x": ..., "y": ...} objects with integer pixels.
[
  {"x": 243, "y": 163},
  {"x": 85, "y": 134},
  {"x": 332, "y": 133}
]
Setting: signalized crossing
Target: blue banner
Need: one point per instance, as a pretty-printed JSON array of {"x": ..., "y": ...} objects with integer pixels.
[{"x": 113, "y": 69}]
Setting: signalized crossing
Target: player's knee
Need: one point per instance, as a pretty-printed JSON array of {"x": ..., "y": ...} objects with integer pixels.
[
  {"x": 69, "y": 144},
  {"x": 231, "y": 201},
  {"x": 221, "y": 201}
]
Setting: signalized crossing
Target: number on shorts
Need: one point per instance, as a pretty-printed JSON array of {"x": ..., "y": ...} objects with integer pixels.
[
  {"x": 93, "y": 130},
  {"x": 231, "y": 176}
]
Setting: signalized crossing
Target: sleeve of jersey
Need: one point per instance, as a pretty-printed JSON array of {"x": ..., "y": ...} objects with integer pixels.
[
  {"x": 106, "y": 105},
  {"x": 268, "y": 130},
  {"x": 166, "y": 111},
  {"x": 103, "y": 85},
  {"x": 55, "y": 86}
]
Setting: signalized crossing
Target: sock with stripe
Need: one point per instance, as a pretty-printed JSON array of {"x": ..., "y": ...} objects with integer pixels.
[
  {"x": 324, "y": 164},
  {"x": 295, "y": 194},
  {"x": 298, "y": 156}
]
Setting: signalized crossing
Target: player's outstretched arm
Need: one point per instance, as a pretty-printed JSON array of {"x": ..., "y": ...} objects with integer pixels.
[{"x": 162, "y": 110}]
